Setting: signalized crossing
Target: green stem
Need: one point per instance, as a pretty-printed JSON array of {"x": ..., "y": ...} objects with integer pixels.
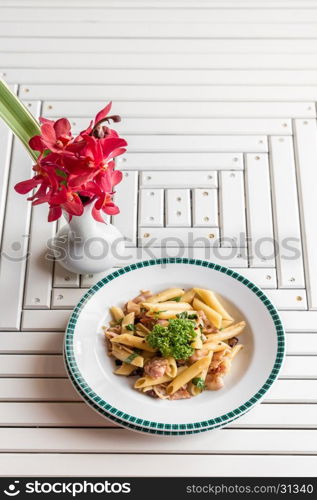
[{"x": 18, "y": 117}]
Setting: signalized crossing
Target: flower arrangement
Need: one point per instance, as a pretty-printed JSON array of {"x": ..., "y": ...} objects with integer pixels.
[{"x": 71, "y": 172}]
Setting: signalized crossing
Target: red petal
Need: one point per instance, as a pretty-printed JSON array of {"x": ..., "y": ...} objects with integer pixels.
[
  {"x": 111, "y": 209},
  {"x": 103, "y": 113},
  {"x": 74, "y": 206},
  {"x": 62, "y": 127},
  {"x": 26, "y": 186},
  {"x": 36, "y": 143},
  {"x": 45, "y": 120},
  {"x": 116, "y": 177},
  {"x": 54, "y": 213},
  {"x": 96, "y": 215},
  {"x": 109, "y": 145},
  {"x": 48, "y": 134}
]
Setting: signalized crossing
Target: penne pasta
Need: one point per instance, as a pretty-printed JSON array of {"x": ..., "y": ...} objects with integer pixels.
[
  {"x": 171, "y": 369},
  {"x": 132, "y": 341},
  {"x": 198, "y": 342},
  {"x": 188, "y": 296},
  {"x": 227, "y": 333},
  {"x": 127, "y": 355},
  {"x": 235, "y": 350},
  {"x": 125, "y": 369},
  {"x": 195, "y": 389},
  {"x": 213, "y": 316},
  {"x": 165, "y": 340},
  {"x": 209, "y": 297},
  {"x": 150, "y": 381},
  {"x": 170, "y": 293},
  {"x": 188, "y": 374},
  {"x": 128, "y": 319},
  {"x": 164, "y": 314},
  {"x": 116, "y": 313},
  {"x": 161, "y": 306}
]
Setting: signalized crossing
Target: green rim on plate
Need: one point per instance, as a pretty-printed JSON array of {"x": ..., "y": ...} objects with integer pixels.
[{"x": 94, "y": 399}]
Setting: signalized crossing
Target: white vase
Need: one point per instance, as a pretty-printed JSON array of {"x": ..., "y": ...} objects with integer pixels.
[{"x": 85, "y": 245}]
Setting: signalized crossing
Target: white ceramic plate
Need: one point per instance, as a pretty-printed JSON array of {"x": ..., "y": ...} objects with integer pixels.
[{"x": 252, "y": 374}]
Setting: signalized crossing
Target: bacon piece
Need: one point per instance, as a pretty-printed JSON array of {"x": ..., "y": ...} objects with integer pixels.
[
  {"x": 144, "y": 295},
  {"x": 182, "y": 393},
  {"x": 156, "y": 367}
]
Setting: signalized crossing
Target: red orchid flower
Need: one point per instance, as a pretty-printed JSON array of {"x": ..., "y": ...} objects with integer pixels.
[
  {"x": 73, "y": 171},
  {"x": 55, "y": 135}
]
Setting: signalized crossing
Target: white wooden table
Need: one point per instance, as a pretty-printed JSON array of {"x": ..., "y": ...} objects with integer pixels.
[{"x": 223, "y": 93}]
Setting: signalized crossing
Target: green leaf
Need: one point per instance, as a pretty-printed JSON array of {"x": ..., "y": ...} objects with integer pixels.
[
  {"x": 60, "y": 172},
  {"x": 199, "y": 382},
  {"x": 176, "y": 299},
  {"x": 18, "y": 117},
  {"x": 130, "y": 327}
]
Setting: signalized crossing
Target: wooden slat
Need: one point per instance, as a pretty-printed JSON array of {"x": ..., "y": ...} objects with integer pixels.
[
  {"x": 180, "y": 161},
  {"x": 306, "y": 150},
  {"x": 242, "y": 48},
  {"x": 191, "y": 179},
  {"x": 166, "y": 30},
  {"x": 263, "y": 277},
  {"x": 232, "y": 209},
  {"x": 205, "y": 207},
  {"x": 126, "y": 198},
  {"x": 29, "y": 365},
  {"x": 44, "y": 320},
  {"x": 286, "y": 214},
  {"x": 193, "y": 68},
  {"x": 242, "y": 441},
  {"x": 178, "y": 237},
  {"x": 37, "y": 389},
  {"x": 183, "y": 14},
  {"x": 301, "y": 343},
  {"x": 31, "y": 342},
  {"x": 178, "y": 208},
  {"x": 37, "y": 293},
  {"x": 66, "y": 298},
  {"x": 288, "y": 299},
  {"x": 300, "y": 321},
  {"x": 177, "y": 93},
  {"x": 151, "y": 207},
  {"x": 196, "y": 126},
  {"x": 15, "y": 241},
  {"x": 259, "y": 211},
  {"x": 211, "y": 108},
  {"x": 77, "y": 465}
]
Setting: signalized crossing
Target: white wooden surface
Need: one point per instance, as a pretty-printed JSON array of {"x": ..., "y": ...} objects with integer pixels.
[{"x": 221, "y": 124}]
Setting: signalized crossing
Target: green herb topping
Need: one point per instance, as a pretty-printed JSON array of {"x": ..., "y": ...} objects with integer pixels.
[
  {"x": 130, "y": 358},
  {"x": 186, "y": 315},
  {"x": 175, "y": 339},
  {"x": 199, "y": 382},
  {"x": 176, "y": 299},
  {"x": 130, "y": 327}
]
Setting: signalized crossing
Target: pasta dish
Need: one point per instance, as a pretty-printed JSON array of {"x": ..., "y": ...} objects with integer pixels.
[{"x": 177, "y": 342}]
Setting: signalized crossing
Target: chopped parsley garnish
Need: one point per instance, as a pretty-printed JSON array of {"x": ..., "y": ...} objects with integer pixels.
[
  {"x": 176, "y": 299},
  {"x": 186, "y": 315},
  {"x": 199, "y": 382},
  {"x": 130, "y": 358},
  {"x": 130, "y": 327},
  {"x": 175, "y": 339}
]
